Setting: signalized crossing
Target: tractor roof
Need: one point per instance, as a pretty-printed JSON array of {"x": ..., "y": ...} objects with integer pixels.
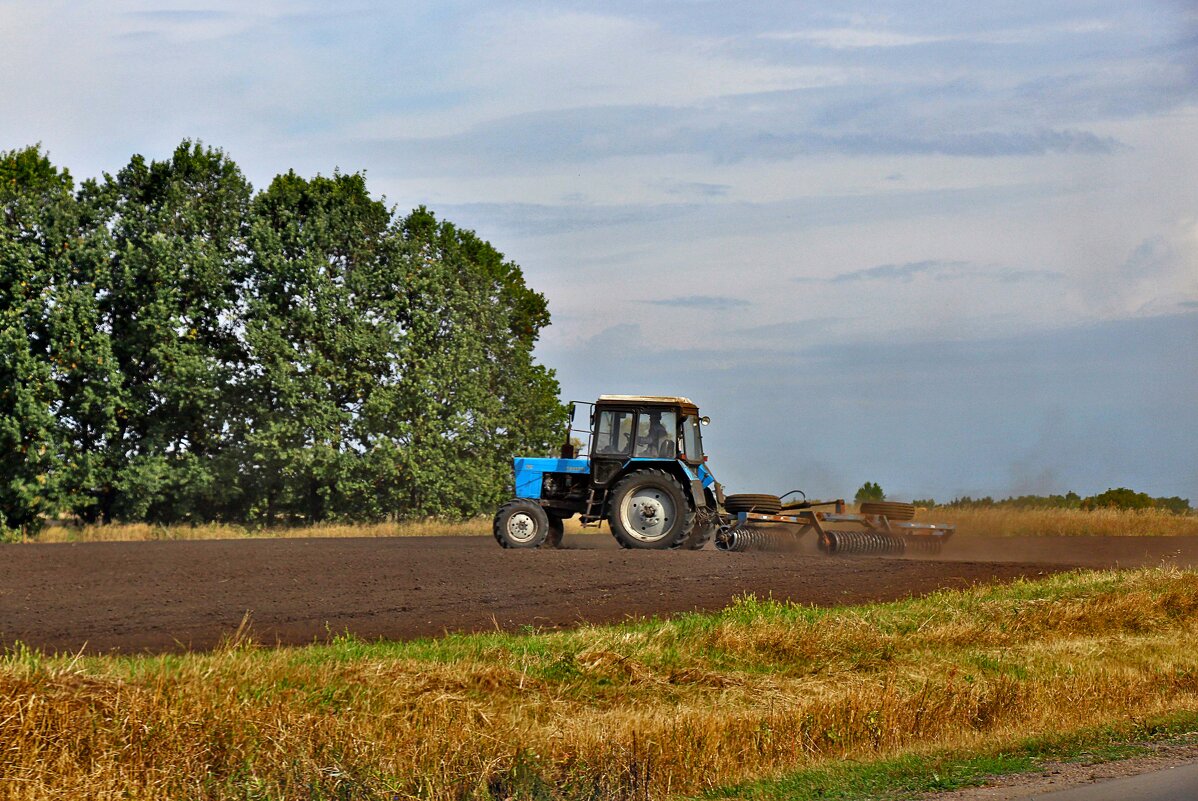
[{"x": 688, "y": 406}]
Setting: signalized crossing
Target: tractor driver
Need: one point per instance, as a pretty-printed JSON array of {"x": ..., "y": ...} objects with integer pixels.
[{"x": 658, "y": 441}]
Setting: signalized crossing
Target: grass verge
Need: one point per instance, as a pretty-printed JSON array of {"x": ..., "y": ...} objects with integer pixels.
[
  {"x": 648, "y": 709},
  {"x": 915, "y": 775}
]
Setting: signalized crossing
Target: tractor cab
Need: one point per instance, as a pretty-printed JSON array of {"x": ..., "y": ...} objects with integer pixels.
[
  {"x": 632, "y": 427},
  {"x": 642, "y": 470}
]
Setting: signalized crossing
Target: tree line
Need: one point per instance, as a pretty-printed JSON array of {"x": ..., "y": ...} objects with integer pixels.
[
  {"x": 1118, "y": 498},
  {"x": 178, "y": 347}
]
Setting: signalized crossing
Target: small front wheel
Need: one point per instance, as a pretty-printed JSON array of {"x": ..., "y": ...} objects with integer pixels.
[{"x": 521, "y": 524}]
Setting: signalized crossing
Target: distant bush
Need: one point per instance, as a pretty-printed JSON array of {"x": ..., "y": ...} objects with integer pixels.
[
  {"x": 1123, "y": 498},
  {"x": 1070, "y": 500},
  {"x": 869, "y": 491},
  {"x": 1176, "y": 505}
]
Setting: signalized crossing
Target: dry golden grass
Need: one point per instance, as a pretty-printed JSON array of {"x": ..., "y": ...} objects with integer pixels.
[
  {"x": 1000, "y": 522},
  {"x": 136, "y": 532},
  {"x": 144, "y": 532},
  {"x": 643, "y": 710},
  {"x": 993, "y": 522}
]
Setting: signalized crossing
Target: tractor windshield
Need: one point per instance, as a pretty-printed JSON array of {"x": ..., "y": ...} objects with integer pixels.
[{"x": 692, "y": 445}]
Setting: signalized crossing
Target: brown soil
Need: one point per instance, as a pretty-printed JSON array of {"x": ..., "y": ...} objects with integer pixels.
[{"x": 164, "y": 596}]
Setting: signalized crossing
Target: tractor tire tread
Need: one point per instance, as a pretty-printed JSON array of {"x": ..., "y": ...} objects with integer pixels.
[
  {"x": 507, "y": 510},
  {"x": 753, "y": 502}
]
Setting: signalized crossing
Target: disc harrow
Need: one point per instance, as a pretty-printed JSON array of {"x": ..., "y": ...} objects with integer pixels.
[{"x": 882, "y": 529}]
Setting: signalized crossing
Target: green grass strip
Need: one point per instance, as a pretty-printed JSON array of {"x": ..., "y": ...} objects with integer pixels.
[{"x": 912, "y": 775}]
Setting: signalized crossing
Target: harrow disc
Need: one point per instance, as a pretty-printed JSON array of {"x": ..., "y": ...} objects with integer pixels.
[
  {"x": 753, "y": 538},
  {"x": 924, "y": 545},
  {"x": 873, "y": 543}
]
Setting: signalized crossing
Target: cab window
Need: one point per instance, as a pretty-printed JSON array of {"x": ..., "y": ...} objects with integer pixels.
[
  {"x": 692, "y": 446},
  {"x": 613, "y": 435},
  {"x": 656, "y": 435}
]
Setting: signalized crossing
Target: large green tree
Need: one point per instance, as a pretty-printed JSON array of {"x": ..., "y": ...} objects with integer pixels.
[
  {"x": 324, "y": 328},
  {"x": 472, "y": 391},
  {"x": 394, "y": 373},
  {"x": 35, "y": 214},
  {"x": 176, "y": 348},
  {"x": 169, "y": 293}
]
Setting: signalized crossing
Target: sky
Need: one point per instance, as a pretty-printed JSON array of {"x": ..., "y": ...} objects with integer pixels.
[{"x": 951, "y": 248}]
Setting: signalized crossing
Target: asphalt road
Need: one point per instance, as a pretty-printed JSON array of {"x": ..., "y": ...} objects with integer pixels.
[{"x": 1178, "y": 783}]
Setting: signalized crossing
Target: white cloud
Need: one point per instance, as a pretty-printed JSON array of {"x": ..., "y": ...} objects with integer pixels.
[
  {"x": 870, "y": 32},
  {"x": 852, "y": 38},
  {"x": 529, "y": 61}
]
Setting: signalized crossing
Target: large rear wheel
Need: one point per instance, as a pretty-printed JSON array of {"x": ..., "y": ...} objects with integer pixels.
[
  {"x": 521, "y": 524},
  {"x": 649, "y": 510}
]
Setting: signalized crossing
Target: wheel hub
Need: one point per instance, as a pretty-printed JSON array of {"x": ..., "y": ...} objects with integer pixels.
[
  {"x": 521, "y": 527},
  {"x": 648, "y": 514}
]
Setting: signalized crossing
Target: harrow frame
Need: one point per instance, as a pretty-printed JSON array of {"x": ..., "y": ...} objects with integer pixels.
[{"x": 877, "y": 533}]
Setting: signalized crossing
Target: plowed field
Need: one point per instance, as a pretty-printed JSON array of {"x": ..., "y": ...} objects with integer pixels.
[{"x": 166, "y": 596}]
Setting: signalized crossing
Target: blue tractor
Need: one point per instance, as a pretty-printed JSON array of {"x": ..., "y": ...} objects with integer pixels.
[{"x": 644, "y": 473}]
